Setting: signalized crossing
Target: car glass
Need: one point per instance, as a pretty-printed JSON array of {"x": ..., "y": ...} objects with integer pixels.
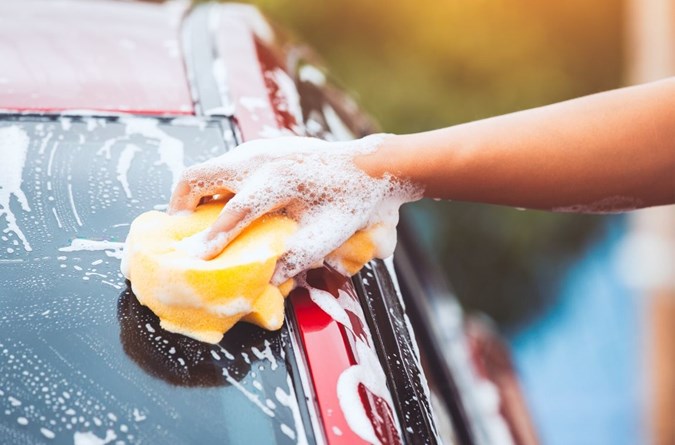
[
  {"x": 328, "y": 112},
  {"x": 79, "y": 356}
]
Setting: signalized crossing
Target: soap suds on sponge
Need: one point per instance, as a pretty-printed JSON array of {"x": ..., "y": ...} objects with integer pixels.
[{"x": 202, "y": 299}]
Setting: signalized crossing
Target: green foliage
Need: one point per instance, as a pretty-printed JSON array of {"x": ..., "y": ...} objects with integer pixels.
[{"x": 423, "y": 64}]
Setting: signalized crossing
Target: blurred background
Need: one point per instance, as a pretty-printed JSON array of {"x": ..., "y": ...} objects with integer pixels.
[{"x": 586, "y": 301}]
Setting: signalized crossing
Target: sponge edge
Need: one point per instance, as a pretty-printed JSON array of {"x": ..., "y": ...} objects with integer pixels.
[
  {"x": 350, "y": 257},
  {"x": 204, "y": 299}
]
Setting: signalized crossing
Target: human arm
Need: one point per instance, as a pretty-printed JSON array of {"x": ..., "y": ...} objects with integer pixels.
[
  {"x": 607, "y": 152},
  {"x": 611, "y": 151}
]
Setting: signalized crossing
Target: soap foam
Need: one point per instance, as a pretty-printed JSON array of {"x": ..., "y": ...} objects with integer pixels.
[
  {"x": 89, "y": 438},
  {"x": 238, "y": 305},
  {"x": 111, "y": 248},
  {"x": 606, "y": 206},
  {"x": 194, "y": 245},
  {"x": 13, "y": 145},
  {"x": 316, "y": 183}
]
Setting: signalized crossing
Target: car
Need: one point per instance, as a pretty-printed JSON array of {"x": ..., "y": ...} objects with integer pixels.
[{"x": 102, "y": 104}]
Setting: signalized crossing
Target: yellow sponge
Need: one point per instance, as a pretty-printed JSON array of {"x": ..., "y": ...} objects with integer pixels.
[{"x": 203, "y": 299}]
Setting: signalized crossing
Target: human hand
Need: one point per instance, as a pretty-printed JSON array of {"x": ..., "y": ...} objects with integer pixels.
[{"x": 312, "y": 181}]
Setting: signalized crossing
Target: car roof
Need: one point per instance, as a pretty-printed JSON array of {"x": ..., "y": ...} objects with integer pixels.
[{"x": 59, "y": 55}]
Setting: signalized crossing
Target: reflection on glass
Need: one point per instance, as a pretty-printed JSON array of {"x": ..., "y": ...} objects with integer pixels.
[{"x": 175, "y": 358}]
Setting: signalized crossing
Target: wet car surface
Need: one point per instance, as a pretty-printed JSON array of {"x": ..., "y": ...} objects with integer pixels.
[
  {"x": 78, "y": 351},
  {"x": 81, "y": 360}
]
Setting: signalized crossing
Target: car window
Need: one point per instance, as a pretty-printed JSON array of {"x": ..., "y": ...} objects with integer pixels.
[
  {"x": 328, "y": 112},
  {"x": 437, "y": 321},
  {"x": 79, "y": 356}
]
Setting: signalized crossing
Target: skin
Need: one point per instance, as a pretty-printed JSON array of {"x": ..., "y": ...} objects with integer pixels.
[
  {"x": 617, "y": 144},
  {"x": 613, "y": 151}
]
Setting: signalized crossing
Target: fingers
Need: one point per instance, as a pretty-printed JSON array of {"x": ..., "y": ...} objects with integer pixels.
[
  {"x": 229, "y": 224},
  {"x": 308, "y": 247},
  {"x": 228, "y": 219},
  {"x": 224, "y": 175},
  {"x": 199, "y": 181},
  {"x": 237, "y": 214}
]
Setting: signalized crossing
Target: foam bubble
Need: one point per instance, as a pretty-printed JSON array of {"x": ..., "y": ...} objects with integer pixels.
[
  {"x": 236, "y": 306},
  {"x": 49, "y": 434},
  {"x": 610, "y": 205},
  {"x": 312, "y": 181},
  {"x": 195, "y": 245},
  {"x": 89, "y": 438}
]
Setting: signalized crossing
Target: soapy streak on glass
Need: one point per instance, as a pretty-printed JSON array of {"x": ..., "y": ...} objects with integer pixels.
[
  {"x": 13, "y": 146},
  {"x": 66, "y": 345}
]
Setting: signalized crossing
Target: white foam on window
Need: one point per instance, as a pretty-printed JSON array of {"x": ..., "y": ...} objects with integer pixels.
[
  {"x": 138, "y": 415},
  {"x": 289, "y": 401},
  {"x": 123, "y": 165},
  {"x": 49, "y": 434},
  {"x": 111, "y": 248},
  {"x": 43, "y": 144},
  {"x": 66, "y": 123},
  {"x": 56, "y": 217},
  {"x": 71, "y": 199},
  {"x": 170, "y": 150},
  {"x": 14, "y": 146},
  {"x": 254, "y": 398},
  {"x": 52, "y": 155},
  {"x": 89, "y": 438},
  {"x": 288, "y": 431},
  {"x": 226, "y": 353},
  {"x": 266, "y": 354}
]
